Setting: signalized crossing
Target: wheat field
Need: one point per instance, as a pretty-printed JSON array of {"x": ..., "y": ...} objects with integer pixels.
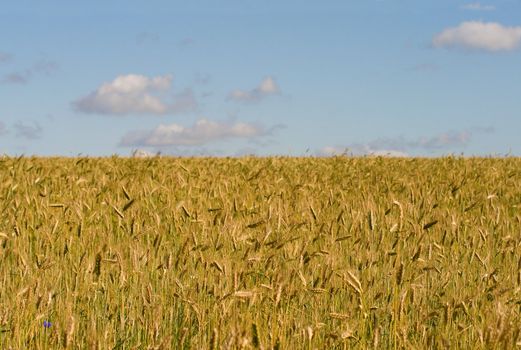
[{"x": 260, "y": 253}]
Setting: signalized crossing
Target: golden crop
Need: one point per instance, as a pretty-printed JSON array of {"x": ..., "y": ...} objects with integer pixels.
[{"x": 268, "y": 253}]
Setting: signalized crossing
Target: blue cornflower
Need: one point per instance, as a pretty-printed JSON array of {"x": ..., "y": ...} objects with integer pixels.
[{"x": 47, "y": 324}]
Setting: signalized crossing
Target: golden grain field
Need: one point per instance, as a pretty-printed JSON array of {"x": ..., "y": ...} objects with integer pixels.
[{"x": 260, "y": 253}]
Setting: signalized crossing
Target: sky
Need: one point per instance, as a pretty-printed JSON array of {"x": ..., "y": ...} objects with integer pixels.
[{"x": 250, "y": 77}]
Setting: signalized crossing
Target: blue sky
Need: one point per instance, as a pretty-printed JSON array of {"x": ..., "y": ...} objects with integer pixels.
[{"x": 267, "y": 77}]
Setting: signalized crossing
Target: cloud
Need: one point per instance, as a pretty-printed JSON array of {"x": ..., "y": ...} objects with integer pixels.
[
  {"x": 266, "y": 88},
  {"x": 141, "y": 153},
  {"x": 42, "y": 67},
  {"x": 202, "y": 132},
  {"x": 183, "y": 151},
  {"x": 444, "y": 140},
  {"x": 400, "y": 146},
  {"x": 28, "y": 131},
  {"x": 5, "y": 57},
  {"x": 476, "y": 6},
  {"x": 137, "y": 94},
  {"x": 330, "y": 151},
  {"x": 441, "y": 141},
  {"x": 477, "y": 35}
]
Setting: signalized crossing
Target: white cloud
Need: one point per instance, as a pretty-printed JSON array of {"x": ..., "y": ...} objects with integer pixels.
[
  {"x": 136, "y": 94},
  {"x": 332, "y": 151},
  {"x": 477, "y": 35},
  {"x": 266, "y": 88},
  {"x": 192, "y": 151},
  {"x": 476, "y": 6},
  {"x": 203, "y": 131},
  {"x": 388, "y": 153},
  {"x": 141, "y": 153},
  {"x": 358, "y": 150}
]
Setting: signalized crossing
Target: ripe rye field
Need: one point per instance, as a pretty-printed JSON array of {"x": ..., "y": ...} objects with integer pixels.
[{"x": 260, "y": 253}]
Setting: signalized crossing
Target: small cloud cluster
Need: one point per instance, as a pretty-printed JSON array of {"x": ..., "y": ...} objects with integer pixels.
[
  {"x": 477, "y": 35},
  {"x": 43, "y": 67},
  {"x": 266, "y": 88},
  {"x": 476, "y": 6},
  {"x": 441, "y": 141},
  {"x": 24, "y": 130},
  {"x": 136, "y": 94},
  {"x": 203, "y": 131},
  {"x": 400, "y": 146},
  {"x": 359, "y": 150},
  {"x": 444, "y": 140}
]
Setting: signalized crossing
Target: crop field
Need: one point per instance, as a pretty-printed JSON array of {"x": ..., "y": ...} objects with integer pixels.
[{"x": 260, "y": 253}]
